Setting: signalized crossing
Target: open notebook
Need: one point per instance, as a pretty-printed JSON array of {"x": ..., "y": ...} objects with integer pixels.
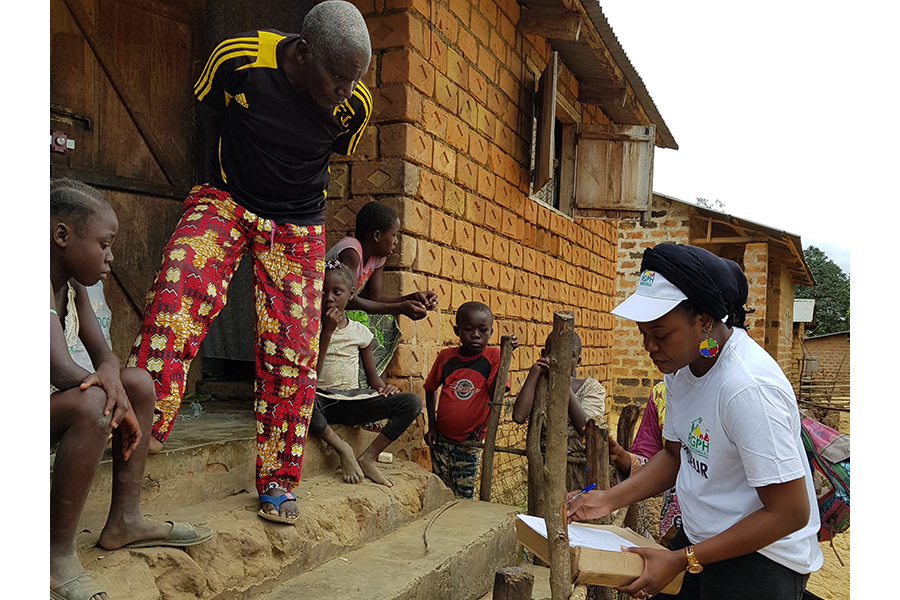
[{"x": 586, "y": 537}]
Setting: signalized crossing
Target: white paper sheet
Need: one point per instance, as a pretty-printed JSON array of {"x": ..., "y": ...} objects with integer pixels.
[{"x": 586, "y": 537}]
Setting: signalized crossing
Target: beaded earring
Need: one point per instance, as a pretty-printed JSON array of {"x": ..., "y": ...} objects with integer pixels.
[{"x": 709, "y": 347}]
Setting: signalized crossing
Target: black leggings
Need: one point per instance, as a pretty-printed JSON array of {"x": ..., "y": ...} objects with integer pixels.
[
  {"x": 749, "y": 577},
  {"x": 400, "y": 409}
]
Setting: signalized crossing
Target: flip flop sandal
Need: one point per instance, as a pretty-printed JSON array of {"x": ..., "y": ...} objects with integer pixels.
[
  {"x": 276, "y": 501},
  {"x": 181, "y": 536},
  {"x": 374, "y": 427},
  {"x": 79, "y": 588}
]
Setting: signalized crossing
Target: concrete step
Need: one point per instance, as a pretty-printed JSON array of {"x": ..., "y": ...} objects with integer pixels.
[
  {"x": 467, "y": 544},
  {"x": 248, "y": 556},
  {"x": 210, "y": 456}
]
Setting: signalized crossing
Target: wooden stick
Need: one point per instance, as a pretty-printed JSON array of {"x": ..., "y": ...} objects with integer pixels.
[
  {"x": 597, "y": 454},
  {"x": 432, "y": 520},
  {"x": 497, "y": 393},
  {"x": 536, "y": 421},
  {"x": 512, "y": 583},
  {"x": 557, "y": 428}
]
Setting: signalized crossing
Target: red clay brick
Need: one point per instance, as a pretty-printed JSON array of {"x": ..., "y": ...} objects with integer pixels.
[
  {"x": 488, "y": 8},
  {"x": 486, "y": 123},
  {"x": 452, "y": 264},
  {"x": 437, "y": 54},
  {"x": 401, "y": 283},
  {"x": 428, "y": 258},
  {"x": 478, "y": 88},
  {"x": 498, "y": 303},
  {"x": 415, "y": 217},
  {"x": 478, "y": 148},
  {"x": 403, "y": 140},
  {"x": 396, "y": 103},
  {"x": 458, "y": 134},
  {"x": 486, "y": 183},
  {"x": 528, "y": 238},
  {"x": 499, "y": 47},
  {"x": 423, "y": 7},
  {"x": 464, "y": 236},
  {"x": 401, "y": 29},
  {"x": 514, "y": 308},
  {"x": 442, "y": 288},
  {"x": 431, "y": 188},
  {"x": 460, "y": 293},
  {"x": 434, "y": 119},
  {"x": 508, "y": 84},
  {"x": 457, "y": 69},
  {"x": 467, "y": 107},
  {"x": 472, "y": 269},
  {"x": 487, "y": 63},
  {"x": 475, "y": 208},
  {"x": 454, "y": 199},
  {"x": 516, "y": 252},
  {"x": 484, "y": 242},
  {"x": 444, "y": 160},
  {"x": 441, "y": 227},
  {"x": 480, "y": 28},
  {"x": 445, "y": 93},
  {"x": 446, "y": 22},
  {"x": 534, "y": 285},
  {"x": 480, "y": 294},
  {"x": 505, "y": 194},
  {"x": 490, "y": 273},
  {"x": 405, "y": 66},
  {"x": 404, "y": 254},
  {"x": 507, "y": 223},
  {"x": 493, "y": 216},
  {"x": 468, "y": 45},
  {"x": 466, "y": 173},
  {"x": 501, "y": 249},
  {"x": 384, "y": 177}
]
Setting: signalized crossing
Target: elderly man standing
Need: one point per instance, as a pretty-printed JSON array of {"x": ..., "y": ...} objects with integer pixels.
[{"x": 283, "y": 103}]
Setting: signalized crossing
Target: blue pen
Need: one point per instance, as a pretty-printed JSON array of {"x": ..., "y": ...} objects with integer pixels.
[{"x": 587, "y": 489}]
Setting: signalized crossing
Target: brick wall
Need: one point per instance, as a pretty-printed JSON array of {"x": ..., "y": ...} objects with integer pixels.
[
  {"x": 631, "y": 371},
  {"x": 833, "y": 352},
  {"x": 448, "y": 148},
  {"x": 756, "y": 267},
  {"x": 780, "y": 312}
]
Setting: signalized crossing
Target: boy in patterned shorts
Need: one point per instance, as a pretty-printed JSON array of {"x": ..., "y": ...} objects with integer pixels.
[
  {"x": 466, "y": 376},
  {"x": 284, "y": 103}
]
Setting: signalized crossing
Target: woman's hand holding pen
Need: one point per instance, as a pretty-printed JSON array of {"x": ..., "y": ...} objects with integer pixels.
[{"x": 589, "y": 505}]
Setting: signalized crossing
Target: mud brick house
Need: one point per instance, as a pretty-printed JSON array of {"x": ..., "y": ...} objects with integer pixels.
[
  {"x": 479, "y": 106},
  {"x": 771, "y": 258}
]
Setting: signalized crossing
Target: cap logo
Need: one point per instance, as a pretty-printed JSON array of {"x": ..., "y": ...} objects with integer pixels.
[{"x": 647, "y": 278}]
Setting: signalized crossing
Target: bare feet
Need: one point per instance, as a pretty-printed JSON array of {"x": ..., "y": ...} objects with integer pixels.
[
  {"x": 371, "y": 470},
  {"x": 287, "y": 509},
  {"x": 155, "y": 446},
  {"x": 349, "y": 467}
]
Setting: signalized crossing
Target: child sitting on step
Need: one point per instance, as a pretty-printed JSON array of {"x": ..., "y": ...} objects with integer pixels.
[
  {"x": 342, "y": 342},
  {"x": 87, "y": 407}
]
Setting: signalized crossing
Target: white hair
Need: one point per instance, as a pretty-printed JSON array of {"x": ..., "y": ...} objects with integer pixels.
[{"x": 335, "y": 29}]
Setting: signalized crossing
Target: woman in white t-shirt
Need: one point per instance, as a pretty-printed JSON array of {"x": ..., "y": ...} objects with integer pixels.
[{"x": 733, "y": 447}]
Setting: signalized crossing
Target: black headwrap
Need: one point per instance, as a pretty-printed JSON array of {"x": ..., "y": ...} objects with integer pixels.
[{"x": 715, "y": 286}]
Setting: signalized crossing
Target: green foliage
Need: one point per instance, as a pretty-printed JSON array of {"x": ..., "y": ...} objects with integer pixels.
[{"x": 831, "y": 293}]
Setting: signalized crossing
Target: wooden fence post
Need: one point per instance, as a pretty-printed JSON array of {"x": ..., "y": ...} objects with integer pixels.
[
  {"x": 536, "y": 492},
  {"x": 490, "y": 438},
  {"x": 596, "y": 451},
  {"x": 512, "y": 583},
  {"x": 555, "y": 461}
]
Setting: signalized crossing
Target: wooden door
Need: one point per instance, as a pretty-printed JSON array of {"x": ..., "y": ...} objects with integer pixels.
[{"x": 121, "y": 110}]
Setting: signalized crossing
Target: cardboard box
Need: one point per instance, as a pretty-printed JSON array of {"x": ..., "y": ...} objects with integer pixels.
[{"x": 598, "y": 567}]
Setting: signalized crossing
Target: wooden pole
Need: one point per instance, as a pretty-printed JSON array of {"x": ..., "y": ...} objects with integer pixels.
[
  {"x": 490, "y": 438},
  {"x": 512, "y": 583},
  {"x": 536, "y": 496},
  {"x": 557, "y": 427},
  {"x": 597, "y": 454}
]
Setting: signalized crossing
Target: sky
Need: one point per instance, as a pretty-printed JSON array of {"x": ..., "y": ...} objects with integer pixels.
[{"x": 765, "y": 101}]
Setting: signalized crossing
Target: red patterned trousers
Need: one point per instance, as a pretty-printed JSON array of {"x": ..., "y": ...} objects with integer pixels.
[{"x": 189, "y": 291}]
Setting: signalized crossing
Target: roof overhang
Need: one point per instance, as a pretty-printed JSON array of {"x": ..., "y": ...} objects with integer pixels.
[
  {"x": 593, "y": 54},
  {"x": 722, "y": 228}
]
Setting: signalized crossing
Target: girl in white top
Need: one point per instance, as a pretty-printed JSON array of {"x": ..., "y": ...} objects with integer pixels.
[{"x": 733, "y": 447}]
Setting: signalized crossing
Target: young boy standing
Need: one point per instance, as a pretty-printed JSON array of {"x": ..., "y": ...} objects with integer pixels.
[{"x": 465, "y": 375}]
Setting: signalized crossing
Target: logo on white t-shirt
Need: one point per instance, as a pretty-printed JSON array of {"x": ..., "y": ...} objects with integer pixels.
[
  {"x": 464, "y": 389},
  {"x": 698, "y": 440}
]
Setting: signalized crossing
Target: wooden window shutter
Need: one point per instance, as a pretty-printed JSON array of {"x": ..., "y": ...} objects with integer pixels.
[
  {"x": 614, "y": 169},
  {"x": 546, "y": 122}
]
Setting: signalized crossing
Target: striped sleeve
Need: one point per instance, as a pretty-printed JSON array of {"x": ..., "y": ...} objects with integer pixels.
[
  {"x": 360, "y": 106},
  {"x": 212, "y": 88}
]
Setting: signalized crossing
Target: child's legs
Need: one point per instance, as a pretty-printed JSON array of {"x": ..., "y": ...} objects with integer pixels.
[
  {"x": 288, "y": 269},
  {"x": 401, "y": 410},
  {"x": 456, "y": 465},
  {"x": 128, "y": 474},
  {"x": 189, "y": 291},
  {"x": 77, "y": 423}
]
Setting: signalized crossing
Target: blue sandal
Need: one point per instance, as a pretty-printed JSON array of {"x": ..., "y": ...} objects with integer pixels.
[{"x": 276, "y": 501}]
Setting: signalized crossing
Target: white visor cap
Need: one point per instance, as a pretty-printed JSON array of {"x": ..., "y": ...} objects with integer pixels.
[{"x": 654, "y": 297}]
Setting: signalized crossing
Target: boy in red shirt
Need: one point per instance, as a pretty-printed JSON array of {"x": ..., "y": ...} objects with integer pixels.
[{"x": 465, "y": 376}]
